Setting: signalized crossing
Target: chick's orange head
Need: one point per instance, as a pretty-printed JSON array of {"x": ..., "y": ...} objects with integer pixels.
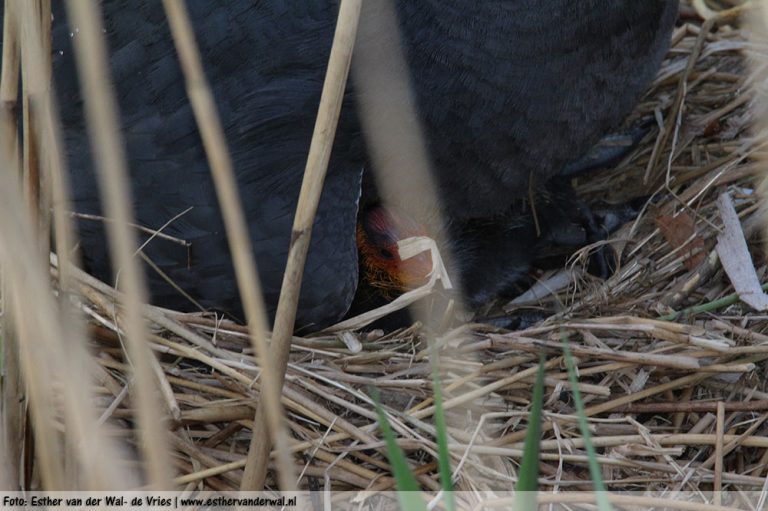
[{"x": 379, "y": 229}]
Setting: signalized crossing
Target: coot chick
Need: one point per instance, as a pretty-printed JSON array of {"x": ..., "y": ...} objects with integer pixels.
[
  {"x": 507, "y": 91},
  {"x": 383, "y": 274}
]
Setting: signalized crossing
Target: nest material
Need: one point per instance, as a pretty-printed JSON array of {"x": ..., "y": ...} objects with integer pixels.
[{"x": 652, "y": 386}]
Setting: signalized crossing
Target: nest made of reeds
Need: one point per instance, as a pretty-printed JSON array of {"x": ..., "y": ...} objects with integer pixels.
[{"x": 671, "y": 350}]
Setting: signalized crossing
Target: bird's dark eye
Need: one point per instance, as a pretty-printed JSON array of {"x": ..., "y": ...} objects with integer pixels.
[{"x": 386, "y": 254}]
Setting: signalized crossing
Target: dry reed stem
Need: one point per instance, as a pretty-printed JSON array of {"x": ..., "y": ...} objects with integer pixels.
[
  {"x": 212, "y": 134},
  {"x": 12, "y": 407},
  {"x": 309, "y": 198},
  {"x": 25, "y": 285},
  {"x": 78, "y": 410},
  {"x": 9, "y": 86},
  {"x": 103, "y": 125},
  {"x": 33, "y": 173}
]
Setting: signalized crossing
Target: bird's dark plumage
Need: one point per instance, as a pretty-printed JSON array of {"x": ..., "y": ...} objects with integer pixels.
[
  {"x": 510, "y": 92},
  {"x": 507, "y": 90},
  {"x": 513, "y": 90},
  {"x": 266, "y": 62}
]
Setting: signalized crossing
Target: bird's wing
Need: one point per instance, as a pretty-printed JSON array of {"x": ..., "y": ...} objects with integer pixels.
[{"x": 265, "y": 61}]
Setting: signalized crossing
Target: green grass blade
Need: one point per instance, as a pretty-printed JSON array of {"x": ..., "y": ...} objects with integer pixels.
[
  {"x": 594, "y": 468},
  {"x": 441, "y": 430},
  {"x": 528, "y": 482},
  {"x": 408, "y": 491}
]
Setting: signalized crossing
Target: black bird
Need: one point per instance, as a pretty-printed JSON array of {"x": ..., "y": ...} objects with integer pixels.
[
  {"x": 514, "y": 90},
  {"x": 266, "y": 62},
  {"x": 508, "y": 91}
]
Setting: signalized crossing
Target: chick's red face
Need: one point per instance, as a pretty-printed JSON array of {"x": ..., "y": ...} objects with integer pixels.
[{"x": 378, "y": 232}]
